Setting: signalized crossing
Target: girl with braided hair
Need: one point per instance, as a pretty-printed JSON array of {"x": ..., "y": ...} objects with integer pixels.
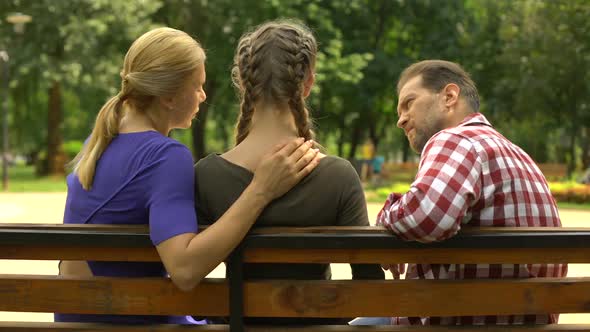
[
  {"x": 131, "y": 172},
  {"x": 274, "y": 73}
]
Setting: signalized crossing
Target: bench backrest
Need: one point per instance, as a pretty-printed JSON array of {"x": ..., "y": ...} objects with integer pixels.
[{"x": 287, "y": 298}]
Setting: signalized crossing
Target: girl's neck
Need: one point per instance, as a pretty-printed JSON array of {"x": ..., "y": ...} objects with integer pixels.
[
  {"x": 271, "y": 123},
  {"x": 135, "y": 121},
  {"x": 268, "y": 127}
]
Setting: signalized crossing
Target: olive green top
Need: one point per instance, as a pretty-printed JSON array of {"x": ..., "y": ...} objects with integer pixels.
[{"x": 332, "y": 195}]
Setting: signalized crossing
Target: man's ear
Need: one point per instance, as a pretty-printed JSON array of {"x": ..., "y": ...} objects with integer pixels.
[
  {"x": 308, "y": 84},
  {"x": 451, "y": 93}
]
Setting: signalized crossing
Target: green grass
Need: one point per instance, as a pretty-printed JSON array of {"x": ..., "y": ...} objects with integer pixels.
[
  {"x": 23, "y": 179},
  {"x": 574, "y": 206},
  {"x": 378, "y": 194}
]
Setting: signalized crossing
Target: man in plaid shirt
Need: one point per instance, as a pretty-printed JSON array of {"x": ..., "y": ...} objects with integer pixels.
[{"x": 469, "y": 176}]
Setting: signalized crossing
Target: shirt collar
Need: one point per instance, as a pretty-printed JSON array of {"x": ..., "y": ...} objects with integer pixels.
[{"x": 474, "y": 119}]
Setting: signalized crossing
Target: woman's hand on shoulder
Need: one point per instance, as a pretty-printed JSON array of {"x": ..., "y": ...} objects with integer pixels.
[{"x": 284, "y": 167}]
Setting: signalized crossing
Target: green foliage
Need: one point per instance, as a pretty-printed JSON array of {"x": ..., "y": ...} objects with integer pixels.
[
  {"x": 80, "y": 44},
  {"x": 529, "y": 58},
  {"x": 537, "y": 81},
  {"x": 564, "y": 186},
  {"x": 573, "y": 206},
  {"x": 378, "y": 194},
  {"x": 71, "y": 148},
  {"x": 567, "y": 194}
]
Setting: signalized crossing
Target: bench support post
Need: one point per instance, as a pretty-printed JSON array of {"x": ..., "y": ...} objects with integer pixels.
[{"x": 235, "y": 272}]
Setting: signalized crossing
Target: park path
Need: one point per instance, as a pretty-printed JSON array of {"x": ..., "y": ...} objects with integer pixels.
[{"x": 47, "y": 208}]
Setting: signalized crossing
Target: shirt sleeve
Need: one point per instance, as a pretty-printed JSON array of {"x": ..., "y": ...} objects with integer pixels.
[
  {"x": 353, "y": 207},
  {"x": 171, "y": 195},
  {"x": 201, "y": 206},
  {"x": 353, "y": 212},
  {"x": 447, "y": 183}
]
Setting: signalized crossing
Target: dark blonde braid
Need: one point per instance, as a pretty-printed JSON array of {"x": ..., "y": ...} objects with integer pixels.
[
  {"x": 241, "y": 74},
  {"x": 302, "y": 60},
  {"x": 271, "y": 65}
]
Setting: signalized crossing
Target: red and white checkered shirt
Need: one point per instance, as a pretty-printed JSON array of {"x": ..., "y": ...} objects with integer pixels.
[{"x": 471, "y": 176}]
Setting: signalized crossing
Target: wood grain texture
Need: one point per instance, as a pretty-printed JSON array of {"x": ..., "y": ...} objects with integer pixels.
[
  {"x": 85, "y": 327},
  {"x": 431, "y": 256},
  {"x": 278, "y": 255},
  {"x": 50, "y": 252},
  {"x": 416, "y": 297},
  {"x": 346, "y": 298},
  {"x": 102, "y": 295}
]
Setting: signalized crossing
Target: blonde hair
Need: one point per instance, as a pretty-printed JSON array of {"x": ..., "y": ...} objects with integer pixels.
[
  {"x": 270, "y": 65},
  {"x": 157, "y": 64}
]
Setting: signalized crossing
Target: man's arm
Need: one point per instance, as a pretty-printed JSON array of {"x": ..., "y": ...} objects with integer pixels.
[{"x": 447, "y": 183}]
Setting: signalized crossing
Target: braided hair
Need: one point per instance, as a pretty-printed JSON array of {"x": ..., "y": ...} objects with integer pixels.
[{"x": 271, "y": 64}]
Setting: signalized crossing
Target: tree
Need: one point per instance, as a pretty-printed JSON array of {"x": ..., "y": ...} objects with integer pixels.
[
  {"x": 73, "y": 46},
  {"x": 544, "y": 70}
]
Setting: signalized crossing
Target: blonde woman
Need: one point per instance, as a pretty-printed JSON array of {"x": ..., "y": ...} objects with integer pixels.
[{"x": 130, "y": 172}]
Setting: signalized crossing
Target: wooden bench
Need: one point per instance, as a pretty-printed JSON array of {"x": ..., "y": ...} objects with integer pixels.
[
  {"x": 553, "y": 171},
  {"x": 285, "y": 298}
]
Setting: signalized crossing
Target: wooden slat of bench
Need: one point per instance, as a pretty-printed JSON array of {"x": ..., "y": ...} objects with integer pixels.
[
  {"x": 70, "y": 327},
  {"x": 154, "y": 296},
  {"x": 81, "y": 236},
  {"x": 50, "y": 252},
  {"x": 125, "y": 296},
  {"x": 89, "y": 327},
  {"x": 416, "y": 297},
  {"x": 278, "y": 255},
  {"x": 431, "y": 256},
  {"x": 142, "y": 229}
]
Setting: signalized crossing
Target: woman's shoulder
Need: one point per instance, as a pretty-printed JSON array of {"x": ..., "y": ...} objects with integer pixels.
[
  {"x": 210, "y": 159},
  {"x": 333, "y": 170},
  {"x": 154, "y": 146},
  {"x": 337, "y": 165},
  {"x": 147, "y": 142},
  {"x": 163, "y": 143},
  {"x": 209, "y": 163},
  {"x": 152, "y": 153}
]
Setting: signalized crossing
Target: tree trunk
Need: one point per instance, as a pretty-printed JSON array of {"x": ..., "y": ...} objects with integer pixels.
[
  {"x": 571, "y": 163},
  {"x": 55, "y": 156},
  {"x": 373, "y": 135},
  {"x": 405, "y": 150},
  {"x": 225, "y": 137},
  {"x": 356, "y": 137},
  {"x": 198, "y": 128},
  {"x": 341, "y": 136},
  {"x": 586, "y": 148}
]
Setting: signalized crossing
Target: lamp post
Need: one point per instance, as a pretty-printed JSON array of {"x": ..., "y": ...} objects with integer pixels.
[{"x": 18, "y": 20}]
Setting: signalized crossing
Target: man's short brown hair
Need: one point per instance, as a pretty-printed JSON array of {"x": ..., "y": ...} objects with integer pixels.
[{"x": 436, "y": 74}]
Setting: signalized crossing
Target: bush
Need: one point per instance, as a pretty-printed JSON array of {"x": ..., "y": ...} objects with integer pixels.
[
  {"x": 71, "y": 148},
  {"x": 563, "y": 192},
  {"x": 570, "y": 192},
  {"x": 380, "y": 193}
]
